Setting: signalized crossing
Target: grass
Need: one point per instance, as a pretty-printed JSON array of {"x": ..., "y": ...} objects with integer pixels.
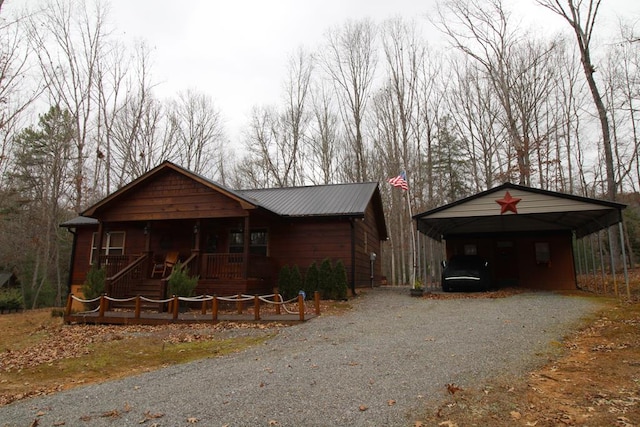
[{"x": 40, "y": 355}]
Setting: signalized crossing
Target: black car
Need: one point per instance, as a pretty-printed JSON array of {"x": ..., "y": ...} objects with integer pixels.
[{"x": 466, "y": 273}]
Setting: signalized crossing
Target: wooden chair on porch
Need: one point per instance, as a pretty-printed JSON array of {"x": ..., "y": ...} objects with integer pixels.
[{"x": 169, "y": 262}]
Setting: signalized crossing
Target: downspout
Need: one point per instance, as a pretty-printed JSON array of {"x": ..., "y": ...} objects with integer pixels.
[{"x": 353, "y": 256}]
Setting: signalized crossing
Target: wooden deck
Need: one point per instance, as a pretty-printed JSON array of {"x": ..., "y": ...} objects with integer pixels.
[
  {"x": 267, "y": 308},
  {"x": 151, "y": 318}
]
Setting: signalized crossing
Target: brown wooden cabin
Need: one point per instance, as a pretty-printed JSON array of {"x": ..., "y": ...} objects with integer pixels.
[{"x": 172, "y": 209}]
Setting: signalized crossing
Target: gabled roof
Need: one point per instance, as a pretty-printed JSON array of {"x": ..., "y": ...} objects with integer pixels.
[
  {"x": 337, "y": 200},
  {"x": 537, "y": 210},
  {"x": 163, "y": 167}
]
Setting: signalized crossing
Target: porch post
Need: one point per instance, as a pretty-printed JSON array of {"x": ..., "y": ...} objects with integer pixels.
[
  {"x": 247, "y": 239},
  {"x": 99, "y": 243},
  {"x": 197, "y": 232}
]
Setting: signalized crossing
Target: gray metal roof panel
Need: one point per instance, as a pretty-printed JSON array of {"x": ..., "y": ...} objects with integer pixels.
[{"x": 321, "y": 200}]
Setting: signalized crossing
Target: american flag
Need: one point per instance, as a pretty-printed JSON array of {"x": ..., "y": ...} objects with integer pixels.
[{"x": 400, "y": 181}]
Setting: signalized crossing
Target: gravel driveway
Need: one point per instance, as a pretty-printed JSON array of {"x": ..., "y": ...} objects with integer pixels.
[{"x": 379, "y": 364}]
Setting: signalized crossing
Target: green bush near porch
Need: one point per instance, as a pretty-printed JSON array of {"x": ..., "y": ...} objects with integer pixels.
[{"x": 328, "y": 279}]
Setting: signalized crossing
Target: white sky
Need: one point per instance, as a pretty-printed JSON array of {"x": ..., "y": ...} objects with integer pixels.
[{"x": 236, "y": 51}]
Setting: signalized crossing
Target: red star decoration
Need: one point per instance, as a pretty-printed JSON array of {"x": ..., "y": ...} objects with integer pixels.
[{"x": 508, "y": 203}]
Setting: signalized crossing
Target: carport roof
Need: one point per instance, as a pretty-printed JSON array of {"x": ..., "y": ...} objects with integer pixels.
[{"x": 515, "y": 208}]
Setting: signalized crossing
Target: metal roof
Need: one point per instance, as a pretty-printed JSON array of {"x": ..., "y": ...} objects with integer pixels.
[
  {"x": 321, "y": 200},
  {"x": 540, "y": 210},
  {"x": 79, "y": 221}
]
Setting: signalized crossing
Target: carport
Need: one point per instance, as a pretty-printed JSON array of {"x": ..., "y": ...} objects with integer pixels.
[{"x": 526, "y": 234}]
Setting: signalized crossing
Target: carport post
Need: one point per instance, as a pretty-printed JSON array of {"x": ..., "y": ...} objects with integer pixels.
[
  {"x": 604, "y": 283},
  {"x": 586, "y": 260},
  {"x": 593, "y": 262},
  {"x": 613, "y": 263},
  {"x": 624, "y": 260}
]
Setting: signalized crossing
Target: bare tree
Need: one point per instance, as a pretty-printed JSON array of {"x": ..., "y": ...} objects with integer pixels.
[
  {"x": 68, "y": 37},
  {"x": 483, "y": 31},
  {"x": 323, "y": 136},
  {"x": 350, "y": 61},
  {"x": 19, "y": 84},
  {"x": 197, "y": 131},
  {"x": 583, "y": 27}
]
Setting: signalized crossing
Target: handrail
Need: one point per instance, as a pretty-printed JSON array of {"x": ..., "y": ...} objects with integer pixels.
[
  {"x": 124, "y": 274},
  {"x": 189, "y": 261}
]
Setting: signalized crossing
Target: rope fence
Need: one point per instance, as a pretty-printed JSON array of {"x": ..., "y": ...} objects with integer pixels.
[{"x": 206, "y": 301}]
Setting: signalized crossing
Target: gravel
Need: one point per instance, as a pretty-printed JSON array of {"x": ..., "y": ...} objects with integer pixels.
[{"x": 380, "y": 364}]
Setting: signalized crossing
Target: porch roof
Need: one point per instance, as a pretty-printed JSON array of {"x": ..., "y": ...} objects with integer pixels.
[{"x": 528, "y": 210}]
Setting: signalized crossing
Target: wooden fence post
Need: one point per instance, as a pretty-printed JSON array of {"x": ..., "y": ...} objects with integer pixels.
[
  {"x": 301, "y": 307},
  {"x": 137, "y": 315},
  {"x": 102, "y": 306},
  {"x": 316, "y": 300},
  {"x": 256, "y": 308},
  {"x": 67, "y": 311},
  {"x": 176, "y": 305},
  {"x": 239, "y": 304},
  {"x": 204, "y": 306},
  {"x": 214, "y": 309},
  {"x": 276, "y": 298}
]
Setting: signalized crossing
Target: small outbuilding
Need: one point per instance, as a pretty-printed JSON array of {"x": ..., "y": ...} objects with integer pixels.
[{"x": 525, "y": 234}]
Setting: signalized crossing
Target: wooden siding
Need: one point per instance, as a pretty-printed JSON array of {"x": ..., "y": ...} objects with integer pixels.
[
  {"x": 303, "y": 241},
  {"x": 367, "y": 240},
  {"x": 530, "y": 203},
  {"x": 171, "y": 196},
  {"x": 513, "y": 260}
]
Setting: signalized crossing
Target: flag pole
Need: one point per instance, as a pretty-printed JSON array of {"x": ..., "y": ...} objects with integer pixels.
[
  {"x": 402, "y": 182},
  {"x": 413, "y": 243}
]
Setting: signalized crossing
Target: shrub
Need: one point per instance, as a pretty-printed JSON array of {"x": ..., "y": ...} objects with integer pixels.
[
  {"x": 94, "y": 285},
  {"x": 180, "y": 283},
  {"x": 340, "y": 284},
  {"x": 325, "y": 278},
  {"x": 285, "y": 287},
  {"x": 11, "y": 299},
  {"x": 296, "y": 280},
  {"x": 312, "y": 279}
]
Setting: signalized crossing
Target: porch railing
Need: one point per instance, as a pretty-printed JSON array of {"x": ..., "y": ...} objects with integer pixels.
[
  {"x": 230, "y": 266},
  {"x": 115, "y": 263},
  {"x": 126, "y": 278}
]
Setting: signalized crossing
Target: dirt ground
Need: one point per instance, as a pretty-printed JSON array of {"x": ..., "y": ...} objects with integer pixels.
[{"x": 594, "y": 381}]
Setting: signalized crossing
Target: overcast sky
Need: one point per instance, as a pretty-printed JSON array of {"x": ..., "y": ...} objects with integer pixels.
[{"x": 236, "y": 51}]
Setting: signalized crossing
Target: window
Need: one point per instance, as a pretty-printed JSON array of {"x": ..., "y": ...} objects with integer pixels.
[
  {"x": 258, "y": 242},
  {"x": 112, "y": 244},
  {"x": 543, "y": 254}
]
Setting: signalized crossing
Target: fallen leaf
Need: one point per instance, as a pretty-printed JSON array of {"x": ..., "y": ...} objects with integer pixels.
[
  {"x": 391, "y": 402},
  {"x": 34, "y": 423},
  {"x": 516, "y": 415},
  {"x": 192, "y": 420},
  {"x": 452, "y": 388},
  {"x": 448, "y": 424},
  {"x": 111, "y": 414},
  {"x": 363, "y": 408},
  {"x": 418, "y": 424},
  {"x": 273, "y": 423}
]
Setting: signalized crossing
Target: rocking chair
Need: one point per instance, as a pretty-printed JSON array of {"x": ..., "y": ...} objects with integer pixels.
[{"x": 169, "y": 261}]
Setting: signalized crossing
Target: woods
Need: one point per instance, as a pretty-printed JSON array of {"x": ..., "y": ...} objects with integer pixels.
[{"x": 80, "y": 117}]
